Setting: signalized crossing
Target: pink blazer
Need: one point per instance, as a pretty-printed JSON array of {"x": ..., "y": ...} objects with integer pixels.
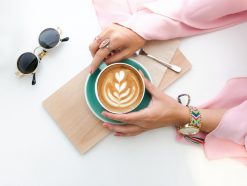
[{"x": 168, "y": 19}]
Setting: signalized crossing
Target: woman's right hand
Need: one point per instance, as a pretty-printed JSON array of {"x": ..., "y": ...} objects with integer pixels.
[
  {"x": 123, "y": 43},
  {"x": 161, "y": 112}
]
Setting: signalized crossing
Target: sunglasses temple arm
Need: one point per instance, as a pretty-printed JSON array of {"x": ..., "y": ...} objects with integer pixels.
[
  {"x": 34, "y": 79},
  {"x": 64, "y": 39}
]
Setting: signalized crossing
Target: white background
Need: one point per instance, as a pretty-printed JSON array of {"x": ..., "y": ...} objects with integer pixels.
[{"x": 34, "y": 151}]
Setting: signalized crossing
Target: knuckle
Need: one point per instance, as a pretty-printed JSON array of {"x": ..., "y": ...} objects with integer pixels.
[
  {"x": 108, "y": 61},
  {"x": 116, "y": 37},
  {"x": 145, "y": 125},
  {"x": 124, "y": 119},
  {"x": 129, "y": 121},
  {"x": 115, "y": 129},
  {"x": 111, "y": 28},
  {"x": 90, "y": 47},
  {"x": 123, "y": 130},
  {"x": 135, "y": 133},
  {"x": 100, "y": 55},
  {"x": 119, "y": 129},
  {"x": 112, "y": 116},
  {"x": 128, "y": 53},
  {"x": 148, "y": 126}
]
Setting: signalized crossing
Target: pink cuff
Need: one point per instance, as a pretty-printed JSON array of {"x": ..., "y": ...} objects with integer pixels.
[{"x": 229, "y": 139}]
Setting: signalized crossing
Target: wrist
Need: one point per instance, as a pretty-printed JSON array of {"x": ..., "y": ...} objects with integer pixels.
[{"x": 183, "y": 116}]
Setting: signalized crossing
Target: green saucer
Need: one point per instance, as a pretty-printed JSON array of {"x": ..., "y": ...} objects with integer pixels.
[{"x": 93, "y": 103}]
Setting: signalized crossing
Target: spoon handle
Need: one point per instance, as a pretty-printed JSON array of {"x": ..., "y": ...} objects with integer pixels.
[{"x": 170, "y": 66}]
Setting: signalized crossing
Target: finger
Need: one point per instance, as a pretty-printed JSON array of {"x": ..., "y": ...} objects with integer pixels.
[
  {"x": 134, "y": 134},
  {"x": 128, "y": 134},
  {"x": 101, "y": 54},
  {"x": 130, "y": 118},
  {"x": 124, "y": 129},
  {"x": 149, "y": 86},
  {"x": 94, "y": 46},
  {"x": 118, "y": 56},
  {"x": 119, "y": 134}
]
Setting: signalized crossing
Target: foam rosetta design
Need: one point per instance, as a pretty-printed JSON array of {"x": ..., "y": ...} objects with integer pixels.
[
  {"x": 120, "y": 86},
  {"x": 122, "y": 89}
]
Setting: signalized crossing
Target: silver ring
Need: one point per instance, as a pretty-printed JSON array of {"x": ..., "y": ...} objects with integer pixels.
[
  {"x": 104, "y": 43},
  {"x": 109, "y": 48}
]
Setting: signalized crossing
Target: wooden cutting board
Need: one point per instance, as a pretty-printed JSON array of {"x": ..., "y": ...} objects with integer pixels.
[{"x": 67, "y": 106}]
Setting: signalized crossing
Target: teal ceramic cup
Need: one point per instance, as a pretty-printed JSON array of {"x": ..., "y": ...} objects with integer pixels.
[
  {"x": 119, "y": 81},
  {"x": 93, "y": 102}
]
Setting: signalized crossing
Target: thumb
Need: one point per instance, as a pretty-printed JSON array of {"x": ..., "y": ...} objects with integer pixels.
[{"x": 149, "y": 86}]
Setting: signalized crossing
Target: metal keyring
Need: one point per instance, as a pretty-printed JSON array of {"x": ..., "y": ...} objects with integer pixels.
[{"x": 184, "y": 95}]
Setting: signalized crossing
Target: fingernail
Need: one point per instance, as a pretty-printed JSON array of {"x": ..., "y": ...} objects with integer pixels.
[
  {"x": 106, "y": 125},
  {"x": 118, "y": 134}
]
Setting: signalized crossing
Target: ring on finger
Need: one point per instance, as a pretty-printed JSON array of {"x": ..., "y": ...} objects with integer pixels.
[
  {"x": 109, "y": 48},
  {"x": 104, "y": 43}
]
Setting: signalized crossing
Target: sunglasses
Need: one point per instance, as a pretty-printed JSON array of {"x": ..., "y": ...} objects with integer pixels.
[{"x": 28, "y": 62}]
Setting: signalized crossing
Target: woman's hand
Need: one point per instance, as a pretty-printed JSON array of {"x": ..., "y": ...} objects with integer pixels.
[
  {"x": 162, "y": 111},
  {"x": 123, "y": 42}
]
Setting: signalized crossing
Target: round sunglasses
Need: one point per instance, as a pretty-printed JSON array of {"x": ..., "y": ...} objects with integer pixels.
[{"x": 27, "y": 62}]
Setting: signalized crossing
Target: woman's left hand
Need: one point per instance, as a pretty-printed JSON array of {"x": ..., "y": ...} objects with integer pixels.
[
  {"x": 162, "y": 111},
  {"x": 114, "y": 43}
]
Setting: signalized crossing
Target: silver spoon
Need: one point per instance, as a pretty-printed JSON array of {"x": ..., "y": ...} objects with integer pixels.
[{"x": 170, "y": 66}]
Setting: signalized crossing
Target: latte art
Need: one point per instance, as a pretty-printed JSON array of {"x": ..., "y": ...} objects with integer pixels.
[
  {"x": 123, "y": 92},
  {"x": 120, "y": 88}
]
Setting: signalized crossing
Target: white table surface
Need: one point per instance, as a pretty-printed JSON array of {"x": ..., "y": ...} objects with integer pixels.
[{"x": 35, "y": 152}]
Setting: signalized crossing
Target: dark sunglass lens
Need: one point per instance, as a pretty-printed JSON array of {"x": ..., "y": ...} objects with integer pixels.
[
  {"x": 27, "y": 63},
  {"x": 49, "y": 38}
]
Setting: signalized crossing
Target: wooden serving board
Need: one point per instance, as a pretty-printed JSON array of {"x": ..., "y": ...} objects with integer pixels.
[{"x": 67, "y": 106}]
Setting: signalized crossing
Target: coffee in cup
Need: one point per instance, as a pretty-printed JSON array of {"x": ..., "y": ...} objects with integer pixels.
[{"x": 119, "y": 88}]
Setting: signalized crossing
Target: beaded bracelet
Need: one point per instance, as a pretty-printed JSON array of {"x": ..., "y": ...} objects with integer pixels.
[
  {"x": 190, "y": 129},
  {"x": 195, "y": 117}
]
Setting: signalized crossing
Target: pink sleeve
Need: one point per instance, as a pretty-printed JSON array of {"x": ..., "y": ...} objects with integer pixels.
[
  {"x": 167, "y": 19},
  {"x": 229, "y": 139}
]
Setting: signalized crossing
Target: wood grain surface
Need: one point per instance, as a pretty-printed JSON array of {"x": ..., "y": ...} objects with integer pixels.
[{"x": 67, "y": 106}]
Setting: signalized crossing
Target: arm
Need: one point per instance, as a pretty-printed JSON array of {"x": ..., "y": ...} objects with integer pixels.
[
  {"x": 158, "y": 20},
  {"x": 211, "y": 119},
  {"x": 163, "y": 111},
  {"x": 223, "y": 118},
  {"x": 166, "y": 19}
]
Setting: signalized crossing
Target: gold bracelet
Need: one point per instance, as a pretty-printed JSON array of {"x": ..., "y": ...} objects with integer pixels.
[{"x": 194, "y": 126}]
